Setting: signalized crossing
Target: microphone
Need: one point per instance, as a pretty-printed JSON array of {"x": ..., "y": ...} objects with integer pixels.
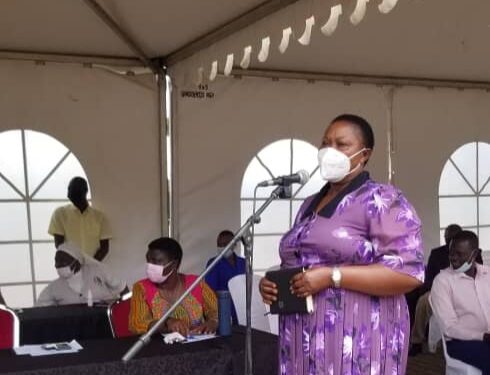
[{"x": 300, "y": 177}]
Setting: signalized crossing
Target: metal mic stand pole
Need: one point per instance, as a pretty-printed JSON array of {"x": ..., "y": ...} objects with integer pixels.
[
  {"x": 145, "y": 338},
  {"x": 279, "y": 192}
]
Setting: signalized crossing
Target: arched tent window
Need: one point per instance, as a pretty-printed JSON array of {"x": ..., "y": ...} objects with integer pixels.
[
  {"x": 282, "y": 157},
  {"x": 35, "y": 170},
  {"x": 464, "y": 191}
]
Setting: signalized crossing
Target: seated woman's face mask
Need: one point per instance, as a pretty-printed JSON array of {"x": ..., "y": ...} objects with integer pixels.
[
  {"x": 65, "y": 272},
  {"x": 155, "y": 272}
]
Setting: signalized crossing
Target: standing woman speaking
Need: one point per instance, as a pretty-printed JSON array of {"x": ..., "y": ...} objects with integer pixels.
[{"x": 361, "y": 242}]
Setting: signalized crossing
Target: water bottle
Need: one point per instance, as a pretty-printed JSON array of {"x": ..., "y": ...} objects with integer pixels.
[
  {"x": 90, "y": 298},
  {"x": 224, "y": 313}
]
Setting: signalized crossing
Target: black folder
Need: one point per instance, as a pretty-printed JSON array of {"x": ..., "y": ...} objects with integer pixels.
[{"x": 286, "y": 302}]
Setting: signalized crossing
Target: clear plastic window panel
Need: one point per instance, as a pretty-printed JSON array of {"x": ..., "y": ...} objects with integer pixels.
[
  {"x": 43, "y": 153},
  {"x": 465, "y": 159},
  {"x": 56, "y": 186},
  {"x": 452, "y": 182},
  {"x": 484, "y": 167},
  {"x": 41, "y": 213},
  {"x": 458, "y": 210},
  {"x": 13, "y": 222},
  {"x": 12, "y": 158},
  {"x": 484, "y": 210},
  {"x": 277, "y": 157},
  {"x": 18, "y": 296},
  {"x": 15, "y": 263},
  {"x": 484, "y": 238},
  {"x": 44, "y": 261}
]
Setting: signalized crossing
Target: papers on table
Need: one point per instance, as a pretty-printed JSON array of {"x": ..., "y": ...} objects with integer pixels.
[
  {"x": 173, "y": 337},
  {"x": 194, "y": 338},
  {"x": 49, "y": 349}
]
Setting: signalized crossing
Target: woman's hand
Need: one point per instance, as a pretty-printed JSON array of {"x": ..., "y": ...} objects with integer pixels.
[
  {"x": 209, "y": 326},
  {"x": 177, "y": 325},
  {"x": 311, "y": 281},
  {"x": 268, "y": 291}
]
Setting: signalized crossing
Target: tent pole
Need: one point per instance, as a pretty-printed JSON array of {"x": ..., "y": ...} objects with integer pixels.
[
  {"x": 162, "y": 146},
  {"x": 390, "y": 133}
]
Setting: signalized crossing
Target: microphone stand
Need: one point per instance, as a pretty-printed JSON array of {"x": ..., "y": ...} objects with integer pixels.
[{"x": 243, "y": 232}]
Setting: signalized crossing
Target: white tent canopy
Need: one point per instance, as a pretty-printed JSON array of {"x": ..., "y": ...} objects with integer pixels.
[
  {"x": 431, "y": 39},
  {"x": 398, "y": 69}
]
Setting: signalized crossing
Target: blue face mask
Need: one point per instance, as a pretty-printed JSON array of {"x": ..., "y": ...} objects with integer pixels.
[{"x": 465, "y": 267}]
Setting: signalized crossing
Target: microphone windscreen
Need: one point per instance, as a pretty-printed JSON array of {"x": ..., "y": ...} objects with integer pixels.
[{"x": 304, "y": 176}]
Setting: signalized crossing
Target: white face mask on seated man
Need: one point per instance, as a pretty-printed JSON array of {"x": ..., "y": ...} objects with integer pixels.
[{"x": 65, "y": 272}]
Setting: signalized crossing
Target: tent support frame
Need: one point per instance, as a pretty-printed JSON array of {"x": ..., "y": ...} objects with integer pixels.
[
  {"x": 122, "y": 35},
  {"x": 362, "y": 79}
]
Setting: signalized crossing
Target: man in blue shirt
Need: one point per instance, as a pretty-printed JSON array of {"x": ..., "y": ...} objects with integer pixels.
[{"x": 228, "y": 267}]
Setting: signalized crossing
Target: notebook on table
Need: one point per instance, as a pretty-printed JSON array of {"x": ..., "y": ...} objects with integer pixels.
[{"x": 286, "y": 302}]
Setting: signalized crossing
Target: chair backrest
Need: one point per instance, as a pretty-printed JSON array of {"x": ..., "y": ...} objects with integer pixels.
[
  {"x": 453, "y": 366},
  {"x": 9, "y": 328},
  {"x": 435, "y": 334},
  {"x": 260, "y": 319},
  {"x": 118, "y": 313}
]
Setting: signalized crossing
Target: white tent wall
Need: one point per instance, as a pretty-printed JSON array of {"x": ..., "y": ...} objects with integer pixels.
[
  {"x": 218, "y": 137},
  {"x": 112, "y": 125},
  {"x": 430, "y": 124}
]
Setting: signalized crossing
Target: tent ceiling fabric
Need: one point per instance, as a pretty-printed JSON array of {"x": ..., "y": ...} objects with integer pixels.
[
  {"x": 70, "y": 27},
  {"x": 420, "y": 38},
  {"x": 437, "y": 39}
]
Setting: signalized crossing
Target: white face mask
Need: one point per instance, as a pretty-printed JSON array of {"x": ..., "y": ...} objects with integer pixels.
[
  {"x": 65, "y": 272},
  {"x": 465, "y": 267},
  {"x": 334, "y": 164}
]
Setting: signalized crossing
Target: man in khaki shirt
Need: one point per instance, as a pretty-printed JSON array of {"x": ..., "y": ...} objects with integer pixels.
[{"x": 81, "y": 224}]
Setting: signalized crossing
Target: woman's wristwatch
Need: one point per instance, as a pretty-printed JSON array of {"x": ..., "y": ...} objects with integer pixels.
[{"x": 336, "y": 277}]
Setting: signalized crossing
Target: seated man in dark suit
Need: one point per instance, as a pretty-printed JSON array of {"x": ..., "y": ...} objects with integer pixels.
[{"x": 438, "y": 260}]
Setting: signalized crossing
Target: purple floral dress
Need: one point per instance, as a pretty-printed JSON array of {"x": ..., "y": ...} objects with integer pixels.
[{"x": 350, "y": 332}]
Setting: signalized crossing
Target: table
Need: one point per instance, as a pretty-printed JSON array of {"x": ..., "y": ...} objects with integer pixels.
[
  {"x": 63, "y": 323},
  {"x": 221, "y": 356}
]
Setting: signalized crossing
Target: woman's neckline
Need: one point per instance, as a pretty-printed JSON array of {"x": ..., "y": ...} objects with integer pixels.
[{"x": 329, "y": 209}]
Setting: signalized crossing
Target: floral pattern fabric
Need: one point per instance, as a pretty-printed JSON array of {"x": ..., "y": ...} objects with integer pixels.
[
  {"x": 191, "y": 311},
  {"x": 350, "y": 332}
]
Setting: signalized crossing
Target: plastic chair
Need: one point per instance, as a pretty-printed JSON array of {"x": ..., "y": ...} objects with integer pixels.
[
  {"x": 260, "y": 319},
  {"x": 453, "y": 366},
  {"x": 9, "y": 328},
  {"x": 435, "y": 334},
  {"x": 118, "y": 314}
]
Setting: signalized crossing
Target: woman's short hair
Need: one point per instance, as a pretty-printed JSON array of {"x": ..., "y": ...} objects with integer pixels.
[
  {"x": 169, "y": 246},
  {"x": 361, "y": 124}
]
